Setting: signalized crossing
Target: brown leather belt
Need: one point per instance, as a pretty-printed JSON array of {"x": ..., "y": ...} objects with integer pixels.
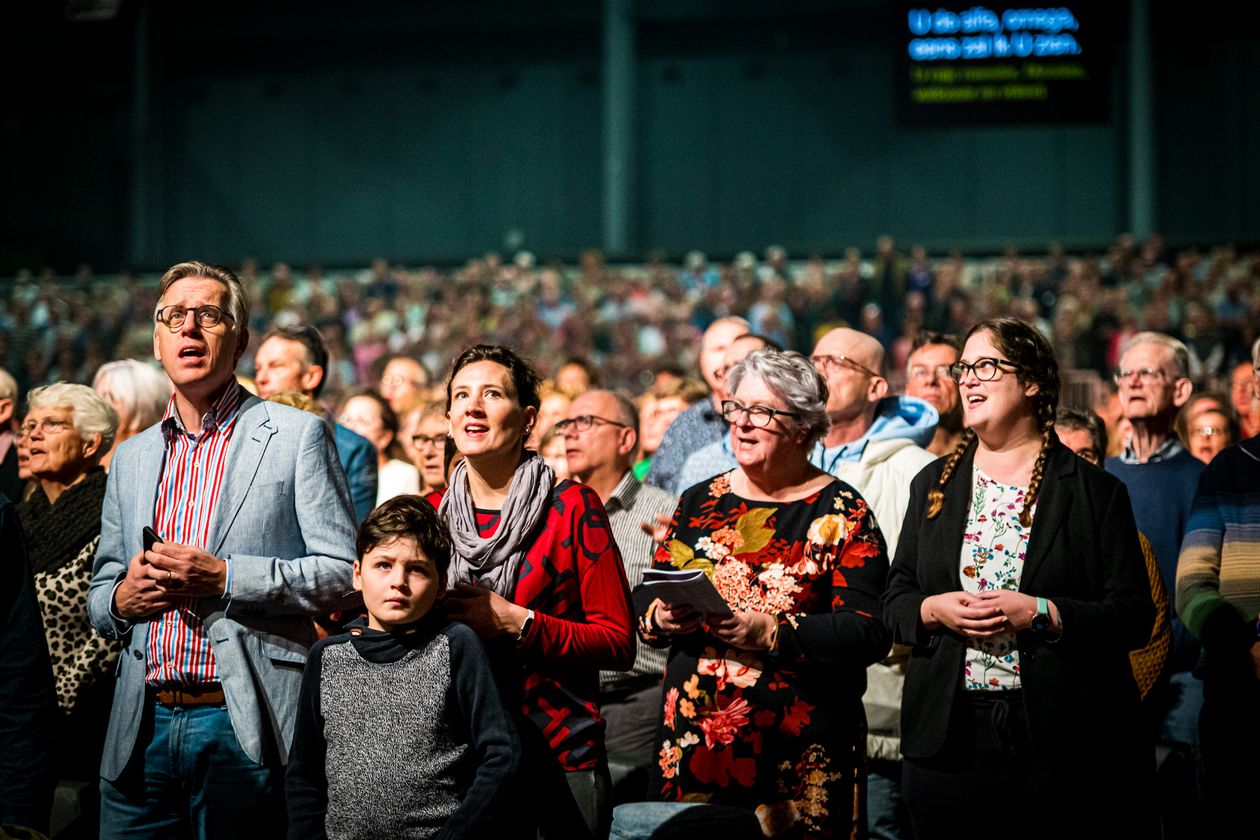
[{"x": 200, "y": 695}]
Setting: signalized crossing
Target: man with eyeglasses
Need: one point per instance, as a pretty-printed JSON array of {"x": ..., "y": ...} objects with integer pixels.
[
  {"x": 295, "y": 359},
  {"x": 1154, "y": 382},
  {"x": 876, "y": 444},
  {"x": 601, "y": 432},
  {"x": 226, "y": 527},
  {"x": 927, "y": 378},
  {"x": 1218, "y": 598},
  {"x": 402, "y": 384}
]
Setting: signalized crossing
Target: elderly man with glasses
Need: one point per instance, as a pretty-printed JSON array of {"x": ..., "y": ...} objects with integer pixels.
[
  {"x": 1161, "y": 476},
  {"x": 876, "y": 443}
]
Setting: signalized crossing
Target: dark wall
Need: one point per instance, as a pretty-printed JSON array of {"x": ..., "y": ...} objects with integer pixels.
[{"x": 429, "y": 132}]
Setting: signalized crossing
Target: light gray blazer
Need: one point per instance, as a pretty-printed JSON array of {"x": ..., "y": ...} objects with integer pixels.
[{"x": 284, "y": 522}]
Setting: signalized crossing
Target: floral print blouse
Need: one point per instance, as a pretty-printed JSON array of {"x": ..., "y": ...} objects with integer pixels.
[
  {"x": 778, "y": 732},
  {"x": 993, "y": 549}
]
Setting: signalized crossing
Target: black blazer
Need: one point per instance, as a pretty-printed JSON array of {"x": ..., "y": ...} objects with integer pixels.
[{"x": 1083, "y": 555}]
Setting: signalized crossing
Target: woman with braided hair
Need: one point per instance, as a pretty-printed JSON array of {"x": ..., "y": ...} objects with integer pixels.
[{"x": 1020, "y": 585}]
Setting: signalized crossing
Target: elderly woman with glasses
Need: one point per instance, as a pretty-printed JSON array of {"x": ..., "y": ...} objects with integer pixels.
[
  {"x": 66, "y": 431},
  {"x": 1020, "y": 584},
  {"x": 763, "y": 698}
]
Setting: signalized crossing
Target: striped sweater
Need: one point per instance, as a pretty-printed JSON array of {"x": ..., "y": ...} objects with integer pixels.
[{"x": 1218, "y": 572}]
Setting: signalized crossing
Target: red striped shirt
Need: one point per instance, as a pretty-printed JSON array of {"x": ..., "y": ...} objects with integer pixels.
[{"x": 188, "y": 493}]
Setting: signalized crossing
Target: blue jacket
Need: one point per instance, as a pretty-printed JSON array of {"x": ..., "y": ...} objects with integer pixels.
[{"x": 358, "y": 459}]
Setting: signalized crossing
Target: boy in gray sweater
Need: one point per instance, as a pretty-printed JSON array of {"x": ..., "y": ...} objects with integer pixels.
[{"x": 401, "y": 731}]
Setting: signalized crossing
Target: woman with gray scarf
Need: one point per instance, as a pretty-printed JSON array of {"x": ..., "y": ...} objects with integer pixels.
[{"x": 536, "y": 573}]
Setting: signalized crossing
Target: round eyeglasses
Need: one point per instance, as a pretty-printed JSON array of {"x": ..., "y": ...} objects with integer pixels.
[
  {"x": 206, "y": 316},
  {"x": 986, "y": 369}
]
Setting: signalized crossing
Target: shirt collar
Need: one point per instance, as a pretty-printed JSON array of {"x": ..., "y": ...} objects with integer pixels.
[
  {"x": 624, "y": 493},
  {"x": 1170, "y": 448},
  {"x": 220, "y": 414}
]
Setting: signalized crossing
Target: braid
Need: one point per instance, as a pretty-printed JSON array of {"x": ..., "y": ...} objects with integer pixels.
[
  {"x": 1039, "y": 470},
  {"x": 936, "y": 496}
]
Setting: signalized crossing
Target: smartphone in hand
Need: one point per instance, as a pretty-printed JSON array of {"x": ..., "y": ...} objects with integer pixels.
[{"x": 150, "y": 537}]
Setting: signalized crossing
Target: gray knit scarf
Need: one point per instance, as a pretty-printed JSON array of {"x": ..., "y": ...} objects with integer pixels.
[{"x": 495, "y": 561}]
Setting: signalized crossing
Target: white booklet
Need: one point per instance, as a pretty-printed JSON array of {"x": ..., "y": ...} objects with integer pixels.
[{"x": 686, "y": 586}]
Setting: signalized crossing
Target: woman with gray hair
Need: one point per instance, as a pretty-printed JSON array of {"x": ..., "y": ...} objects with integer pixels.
[
  {"x": 66, "y": 430},
  {"x": 139, "y": 393},
  {"x": 762, "y": 700}
]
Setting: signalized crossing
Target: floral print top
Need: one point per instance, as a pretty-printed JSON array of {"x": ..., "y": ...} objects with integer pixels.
[
  {"x": 778, "y": 732},
  {"x": 993, "y": 550}
]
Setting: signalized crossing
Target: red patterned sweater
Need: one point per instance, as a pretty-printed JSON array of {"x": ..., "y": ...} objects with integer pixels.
[{"x": 573, "y": 579}]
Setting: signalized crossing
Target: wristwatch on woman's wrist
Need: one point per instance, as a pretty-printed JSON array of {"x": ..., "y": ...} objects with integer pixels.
[
  {"x": 525, "y": 624},
  {"x": 1041, "y": 620}
]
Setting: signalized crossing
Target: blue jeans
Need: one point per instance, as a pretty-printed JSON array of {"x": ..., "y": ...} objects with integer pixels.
[
  {"x": 192, "y": 780},
  {"x": 886, "y": 814},
  {"x": 668, "y": 820},
  {"x": 1181, "y": 720}
]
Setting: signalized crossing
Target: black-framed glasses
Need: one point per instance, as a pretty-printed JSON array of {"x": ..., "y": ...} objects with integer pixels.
[
  {"x": 826, "y": 362},
  {"x": 986, "y": 369},
  {"x": 437, "y": 441},
  {"x": 583, "y": 422},
  {"x": 758, "y": 415},
  {"x": 207, "y": 316},
  {"x": 1207, "y": 432},
  {"x": 924, "y": 373},
  {"x": 1146, "y": 375}
]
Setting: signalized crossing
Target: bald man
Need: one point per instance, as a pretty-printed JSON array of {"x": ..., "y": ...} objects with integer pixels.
[
  {"x": 877, "y": 444},
  {"x": 701, "y": 424}
]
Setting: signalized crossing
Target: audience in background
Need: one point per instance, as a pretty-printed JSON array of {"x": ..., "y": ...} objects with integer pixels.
[
  {"x": 295, "y": 359},
  {"x": 366, "y": 413},
  {"x": 137, "y": 391},
  {"x": 927, "y": 377},
  {"x": 10, "y": 484},
  {"x": 403, "y": 383},
  {"x": 1206, "y": 424},
  {"x": 425, "y": 432},
  {"x": 663, "y": 401}
]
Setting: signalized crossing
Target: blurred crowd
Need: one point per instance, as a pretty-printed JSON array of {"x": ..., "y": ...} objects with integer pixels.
[{"x": 630, "y": 321}]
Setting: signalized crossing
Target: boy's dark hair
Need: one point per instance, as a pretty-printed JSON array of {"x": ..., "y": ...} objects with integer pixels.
[{"x": 407, "y": 516}]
